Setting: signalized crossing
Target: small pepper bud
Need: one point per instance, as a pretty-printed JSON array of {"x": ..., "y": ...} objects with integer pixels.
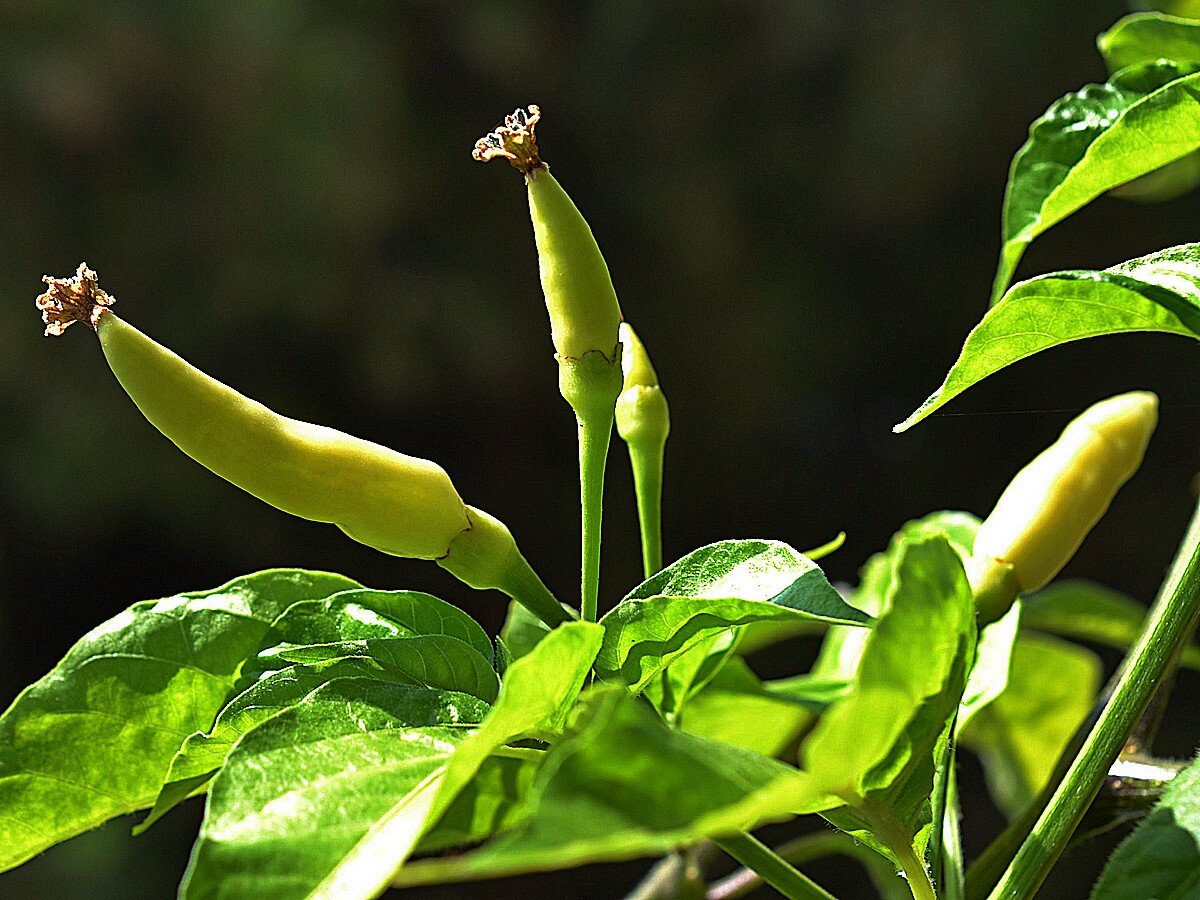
[
  {"x": 394, "y": 503},
  {"x": 1050, "y": 506},
  {"x": 643, "y": 422}
]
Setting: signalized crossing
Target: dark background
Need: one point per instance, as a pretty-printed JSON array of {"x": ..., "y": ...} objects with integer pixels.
[{"x": 799, "y": 203}]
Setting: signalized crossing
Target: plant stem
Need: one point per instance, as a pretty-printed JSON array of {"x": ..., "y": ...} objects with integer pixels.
[
  {"x": 775, "y": 871},
  {"x": 647, "y": 486},
  {"x": 594, "y": 437},
  {"x": 914, "y": 873},
  {"x": 1168, "y": 625},
  {"x": 801, "y": 850}
]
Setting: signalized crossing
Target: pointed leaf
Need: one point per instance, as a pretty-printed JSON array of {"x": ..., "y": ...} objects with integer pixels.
[
  {"x": 709, "y": 591},
  {"x": 1158, "y": 292},
  {"x": 308, "y": 800},
  {"x": 93, "y": 739},
  {"x": 1092, "y": 141}
]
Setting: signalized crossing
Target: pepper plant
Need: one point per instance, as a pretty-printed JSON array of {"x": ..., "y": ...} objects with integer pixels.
[{"x": 345, "y": 739}]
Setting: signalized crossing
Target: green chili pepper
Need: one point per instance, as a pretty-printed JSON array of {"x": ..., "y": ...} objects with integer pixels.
[
  {"x": 1050, "y": 506},
  {"x": 583, "y": 307},
  {"x": 398, "y": 504},
  {"x": 584, "y": 321},
  {"x": 643, "y": 422}
]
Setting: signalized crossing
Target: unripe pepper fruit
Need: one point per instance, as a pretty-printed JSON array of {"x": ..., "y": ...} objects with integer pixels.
[
  {"x": 1050, "y": 506},
  {"x": 395, "y": 503}
]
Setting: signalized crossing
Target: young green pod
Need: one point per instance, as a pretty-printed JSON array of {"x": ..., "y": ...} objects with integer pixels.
[
  {"x": 395, "y": 503},
  {"x": 643, "y": 422},
  {"x": 643, "y": 418},
  {"x": 581, "y": 301},
  {"x": 1050, "y": 506}
]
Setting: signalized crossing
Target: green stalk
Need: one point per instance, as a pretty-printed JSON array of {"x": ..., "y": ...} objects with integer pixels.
[
  {"x": 1168, "y": 626},
  {"x": 647, "y": 486},
  {"x": 775, "y": 871},
  {"x": 591, "y": 385},
  {"x": 594, "y": 437}
]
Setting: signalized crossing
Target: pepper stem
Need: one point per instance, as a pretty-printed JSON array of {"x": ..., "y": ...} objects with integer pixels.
[{"x": 591, "y": 385}]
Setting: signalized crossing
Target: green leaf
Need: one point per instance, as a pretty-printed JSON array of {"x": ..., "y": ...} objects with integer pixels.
[
  {"x": 1158, "y": 292},
  {"x": 623, "y": 785},
  {"x": 1086, "y": 611},
  {"x": 842, "y": 647},
  {"x": 522, "y": 630},
  {"x": 710, "y": 590},
  {"x": 1147, "y": 37},
  {"x": 738, "y": 709},
  {"x": 365, "y": 614},
  {"x": 202, "y": 755},
  {"x": 993, "y": 662},
  {"x": 495, "y": 799},
  {"x": 1019, "y": 737},
  {"x": 1092, "y": 141},
  {"x": 1162, "y": 857},
  {"x": 433, "y": 660},
  {"x": 93, "y": 739},
  {"x": 537, "y": 695},
  {"x": 307, "y": 799},
  {"x": 878, "y": 749}
]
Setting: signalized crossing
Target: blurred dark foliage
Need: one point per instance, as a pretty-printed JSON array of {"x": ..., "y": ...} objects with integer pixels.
[{"x": 799, "y": 203}]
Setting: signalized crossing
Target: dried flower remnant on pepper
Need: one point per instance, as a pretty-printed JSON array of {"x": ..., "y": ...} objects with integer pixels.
[
  {"x": 70, "y": 300},
  {"x": 515, "y": 141}
]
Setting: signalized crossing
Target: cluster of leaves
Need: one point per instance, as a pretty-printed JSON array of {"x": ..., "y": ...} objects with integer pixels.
[{"x": 348, "y": 739}]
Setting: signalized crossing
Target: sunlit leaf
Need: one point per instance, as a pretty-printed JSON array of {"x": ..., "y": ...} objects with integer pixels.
[
  {"x": 309, "y": 801},
  {"x": 93, "y": 739},
  {"x": 1158, "y": 292},
  {"x": 707, "y": 592},
  {"x": 1147, "y": 37},
  {"x": 1092, "y": 141}
]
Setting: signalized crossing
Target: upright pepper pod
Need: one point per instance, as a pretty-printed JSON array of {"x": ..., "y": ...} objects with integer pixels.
[
  {"x": 643, "y": 422},
  {"x": 584, "y": 320},
  {"x": 1050, "y": 506},
  {"x": 398, "y": 504}
]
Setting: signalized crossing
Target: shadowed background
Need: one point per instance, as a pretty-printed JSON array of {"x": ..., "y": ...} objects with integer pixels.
[{"x": 799, "y": 203}]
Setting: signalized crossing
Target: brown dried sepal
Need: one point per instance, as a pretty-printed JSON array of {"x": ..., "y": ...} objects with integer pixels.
[
  {"x": 75, "y": 299},
  {"x": 515, "y": 141}
]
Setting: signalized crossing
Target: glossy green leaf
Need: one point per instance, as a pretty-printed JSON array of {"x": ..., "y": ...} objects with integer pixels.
[
  {"x": 93, "y": 739},
  {"x": 495, "y": 799},
  {"x": 878, "y": 749},
  {"x": 1158, "y": 292},
  {"x": 993, "y": 662},
  {"x": 310, "y": 802},
  {"x": 842, "y": 647},
  {"x": 434, "y": 660},
  {"x": 522, "y": 630},
  {"x": 537, "y": 696},
  {"x": 365, "y": 614},
  {"x": 714, "y": 588},
  {"x": 1092, "y": 141},
  {"x": 203, "y": 754},
  {"x": 1183, "y": 8},
  {"x": 1086, "y": 611},
  {"x": 1051, "y": 690},
  {"x": 622, "y": 785},
  {"x": 1146, "y": 37},
  {"x": 739, "y": 709},
  {"x": 1161, "y": 858}
]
